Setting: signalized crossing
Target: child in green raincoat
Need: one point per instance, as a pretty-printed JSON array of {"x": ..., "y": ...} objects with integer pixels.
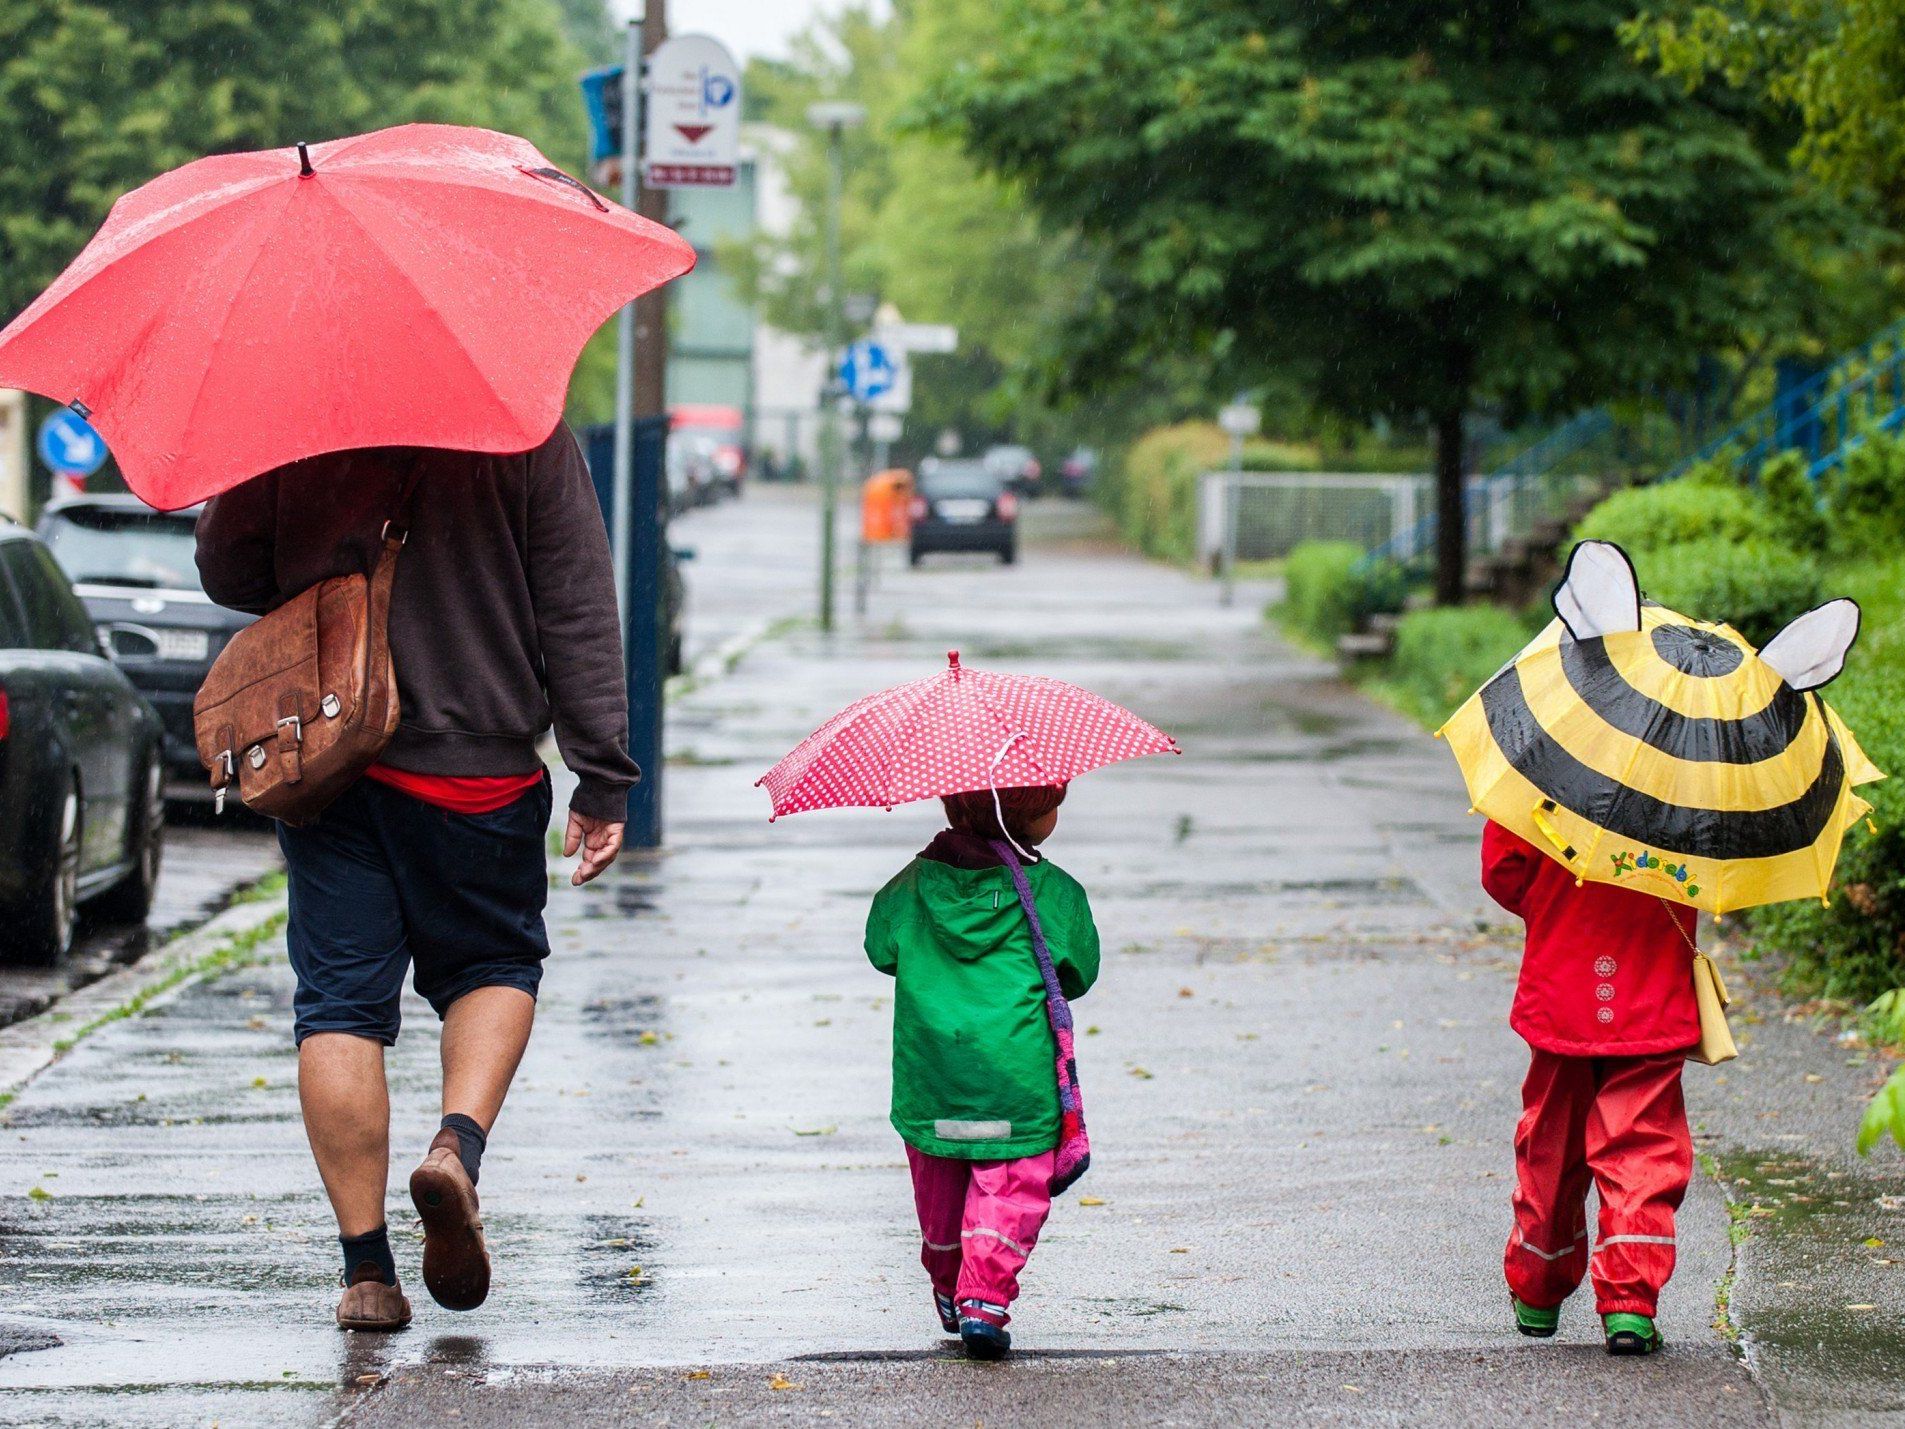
[{"x": 975, "y": 1096}]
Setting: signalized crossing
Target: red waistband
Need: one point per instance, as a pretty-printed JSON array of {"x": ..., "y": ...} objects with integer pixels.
[{"x": 458, "y": 793}]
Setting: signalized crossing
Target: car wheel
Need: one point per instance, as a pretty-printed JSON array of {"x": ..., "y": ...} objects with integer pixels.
[
  {"x": 130, "y": 899},
  {"x": 913, "y": 555},
  {"x": 45, "y": 917},
  {"x": 1009, "y": 555}
]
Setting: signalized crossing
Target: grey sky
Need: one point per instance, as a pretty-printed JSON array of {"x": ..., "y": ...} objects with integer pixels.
[{"x": 748, "y": 27}]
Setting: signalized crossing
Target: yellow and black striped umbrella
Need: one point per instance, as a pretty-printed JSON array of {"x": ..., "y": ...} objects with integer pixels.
[{"x": 1649, "y": 750}]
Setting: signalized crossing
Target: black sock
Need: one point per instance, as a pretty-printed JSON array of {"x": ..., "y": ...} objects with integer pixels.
[
  {"x": 470, "y": 1141},
  {"x": 372, "y": 1248}
]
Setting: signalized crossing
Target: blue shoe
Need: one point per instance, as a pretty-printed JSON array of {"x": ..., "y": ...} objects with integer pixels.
[
  {"x": 982, "y": 1330},
  {"x": 948, "y": 1313},
  {"x": 983, "y": 1339}
]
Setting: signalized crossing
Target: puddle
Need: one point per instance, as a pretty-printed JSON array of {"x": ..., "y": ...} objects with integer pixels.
[
  {"x": 617, "y": 1259},
  {"x": 1822, "y": 1267},
  {"x": 635, "y": 1020}
]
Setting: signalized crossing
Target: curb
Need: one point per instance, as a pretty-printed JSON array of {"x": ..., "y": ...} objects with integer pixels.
[{"x": 33, "y": 1044}]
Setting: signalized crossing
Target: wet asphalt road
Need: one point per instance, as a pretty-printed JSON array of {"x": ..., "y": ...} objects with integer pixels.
[
  {"x": 1301, "y": 1083},
  {"x": 205, "y": 860}
]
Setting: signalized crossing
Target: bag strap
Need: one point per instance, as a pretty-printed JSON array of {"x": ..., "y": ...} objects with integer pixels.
[
  {"x": 383, "y": 578},
  {"x": 1056, "y": 1007}
]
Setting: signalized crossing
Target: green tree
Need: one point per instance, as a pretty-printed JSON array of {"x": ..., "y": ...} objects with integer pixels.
[
  {"x": 1835, "y": 63},
  {"x": 1416, "y": 206},
  {"x": 97, "y": 96}
]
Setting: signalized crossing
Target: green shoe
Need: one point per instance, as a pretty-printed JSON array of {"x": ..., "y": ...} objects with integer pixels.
[
  {"x": 1630, "y": 1334},
  {"x": 1538, "y": 1323}
]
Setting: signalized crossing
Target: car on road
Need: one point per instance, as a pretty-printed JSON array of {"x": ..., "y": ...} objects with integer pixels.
[
  {"x": 1017, "y": 466},
  {"x": 82, "y": 771},
  {"x": 1076, "y": 472},
  {"x": 715, "y": 439},
  {"x": 963, "y": 506},
  {"x": 134, "y": 569}
]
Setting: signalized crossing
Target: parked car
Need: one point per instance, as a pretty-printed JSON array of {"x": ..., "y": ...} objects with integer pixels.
[
  {"x": 716, "y": 438},
  {"x": 1075, "y": 473},
  {"x": 1016, "y": 465},
  {"x": 82, "y": 797},
  {"x": 134, "y": 569},
  {"x": 963, "y": 506}
]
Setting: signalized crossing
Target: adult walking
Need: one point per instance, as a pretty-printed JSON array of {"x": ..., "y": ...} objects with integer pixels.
[
  {"x": 502, "y": 619},
  {"x": 384, "y": 325}
]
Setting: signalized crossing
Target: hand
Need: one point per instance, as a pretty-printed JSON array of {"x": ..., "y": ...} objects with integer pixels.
[{"x": 599, "y": 841}]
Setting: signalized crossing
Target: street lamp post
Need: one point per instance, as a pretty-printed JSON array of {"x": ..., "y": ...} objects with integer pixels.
[{"x": 836, "y": 118}]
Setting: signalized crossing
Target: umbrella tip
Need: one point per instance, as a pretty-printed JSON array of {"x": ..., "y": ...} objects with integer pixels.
[
  {"x": 952, "y": 659},
  {"x": 304, "y": 161}
]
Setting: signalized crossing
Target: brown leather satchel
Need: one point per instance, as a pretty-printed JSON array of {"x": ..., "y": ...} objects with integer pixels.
[{"x": 302, "y": 701}]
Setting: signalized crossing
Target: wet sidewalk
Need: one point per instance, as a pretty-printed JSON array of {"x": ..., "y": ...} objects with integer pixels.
[{"x": 1301, "y": 1082}]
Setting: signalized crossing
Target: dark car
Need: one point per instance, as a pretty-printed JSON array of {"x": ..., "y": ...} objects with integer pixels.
[
  {"x": 134, "y": 569},
  {"x": 82, "y": 802},
  {"x": 963, "y": 506},
  {"x": 598, "y": 451},
  {"x": 1018, "y": 466}
]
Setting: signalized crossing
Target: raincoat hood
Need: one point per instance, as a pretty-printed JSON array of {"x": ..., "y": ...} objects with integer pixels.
[{"x": 972, "y": 912}]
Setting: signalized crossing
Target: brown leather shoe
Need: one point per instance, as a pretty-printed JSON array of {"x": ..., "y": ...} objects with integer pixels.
[
  {"x": 369, "y": 1304},
  {"x": 455, "y": 1260}
]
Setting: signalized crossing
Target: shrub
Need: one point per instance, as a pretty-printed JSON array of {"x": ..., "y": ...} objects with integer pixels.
[
  {"x": 1755, "y": 585},
  {"x": 1443, "y": 656},
  {"x": 1641, "y": 519},
  {"x": 1791, "y": 498},
  {"x": 1155, "y": 500},
  {"x": 1855, "y": 948},
  {"x": 1319, "y": 590},
  {"x": 1865, "y": 497}
]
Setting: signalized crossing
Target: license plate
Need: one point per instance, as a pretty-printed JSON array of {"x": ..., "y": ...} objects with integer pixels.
[
  {"x": 964, "y": 510},
  {"x": 183, "y": 644}
]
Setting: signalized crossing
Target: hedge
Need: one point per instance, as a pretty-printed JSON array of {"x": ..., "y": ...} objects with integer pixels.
[
  {"x": 1443, "y": 656},
  {"x": 1641, "y": 519},
  {"x": 1756, "y": 586}
]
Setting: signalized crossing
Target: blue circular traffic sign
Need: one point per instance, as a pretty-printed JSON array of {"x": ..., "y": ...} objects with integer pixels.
[
  {"x": 68, "y": 444},
  {"x": 867, "y": 371}
]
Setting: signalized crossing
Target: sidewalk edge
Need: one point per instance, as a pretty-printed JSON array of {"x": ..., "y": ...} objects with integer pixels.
[{"x": 33, "y": 1044}]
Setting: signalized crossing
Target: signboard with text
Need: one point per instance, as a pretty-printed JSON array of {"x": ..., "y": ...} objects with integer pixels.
[{"x": 692, "y": 131}]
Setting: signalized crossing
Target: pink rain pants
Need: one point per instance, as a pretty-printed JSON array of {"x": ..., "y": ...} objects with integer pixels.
[{"x": 979, "y": 1221}]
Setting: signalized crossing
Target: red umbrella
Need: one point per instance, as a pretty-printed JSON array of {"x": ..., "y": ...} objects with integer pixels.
[
  {"x": 427, "y": 285},
  {"x": 953, "y": 732}
]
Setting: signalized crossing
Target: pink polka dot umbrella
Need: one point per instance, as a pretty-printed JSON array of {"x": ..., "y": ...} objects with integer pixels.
[{"x": 952, "y": 732}]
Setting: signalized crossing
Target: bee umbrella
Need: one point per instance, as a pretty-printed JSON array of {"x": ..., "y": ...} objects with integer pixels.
[{"x": 1646, "y": 749}]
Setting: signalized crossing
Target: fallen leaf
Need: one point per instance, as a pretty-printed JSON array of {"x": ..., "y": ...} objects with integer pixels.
[
  {"x": 258, "y": 1083},
  {"x": 1091, "y": 1201},
  {"x": 699, "y": 1374},
  {"x": 1186, "y": 992},
  {"x": 1354, "y": 1389},
  {"x": 39, "y": 1193},
  {"x": 781, "y": 1381},
  {"x": 1874, "y": 1242},
  {"x": 1141, "y": 1074},
  {"x": 817, "y": 1131},
  {"x": 649, "y": 1039},
  {"x": 1861, "y": 1307}
]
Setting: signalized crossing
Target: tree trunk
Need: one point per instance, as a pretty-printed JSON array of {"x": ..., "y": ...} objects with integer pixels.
[{"x": 1451, "y": 517}]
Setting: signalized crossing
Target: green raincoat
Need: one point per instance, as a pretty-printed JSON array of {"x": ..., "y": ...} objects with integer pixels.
[{"x": 973, "y": 1056}]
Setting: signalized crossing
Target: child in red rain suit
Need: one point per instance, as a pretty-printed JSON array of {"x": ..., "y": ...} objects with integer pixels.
[{"x": 1606, "y": 1005}]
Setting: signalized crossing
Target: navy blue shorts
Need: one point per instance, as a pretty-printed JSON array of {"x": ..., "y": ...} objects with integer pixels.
[{"x": 382, "y": 880}]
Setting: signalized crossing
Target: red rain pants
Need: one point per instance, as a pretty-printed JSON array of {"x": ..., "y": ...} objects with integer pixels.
[
  {"x": 1620, "y": 1123},
  {"x": 979, "y": 1221}
]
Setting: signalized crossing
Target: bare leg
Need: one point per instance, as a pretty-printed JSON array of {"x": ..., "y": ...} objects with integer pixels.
[
  {"x": 347, "y": 1118},
  {"x": 484, "y": 1034}
]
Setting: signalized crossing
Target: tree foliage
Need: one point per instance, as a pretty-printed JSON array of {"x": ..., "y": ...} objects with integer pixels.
[
  {"x": 97, "y": 96},
  {"x": 1416, "y": 205},
  {"x": 1835, "y": 63}
]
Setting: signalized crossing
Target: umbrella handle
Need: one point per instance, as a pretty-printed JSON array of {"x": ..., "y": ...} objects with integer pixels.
[{"x": 1567, "y": 850}]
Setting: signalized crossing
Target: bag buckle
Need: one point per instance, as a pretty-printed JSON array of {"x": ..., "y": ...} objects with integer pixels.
[
  {"x": 297, "y": 728},
  {"x": 218, "y": 789},
  {"x": 403, "y": 533}
]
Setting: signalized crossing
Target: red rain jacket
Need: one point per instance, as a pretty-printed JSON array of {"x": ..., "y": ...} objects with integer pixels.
[{"x": 1605, "y": 972}]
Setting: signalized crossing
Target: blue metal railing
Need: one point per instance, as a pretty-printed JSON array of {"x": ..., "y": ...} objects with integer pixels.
[{"x": 1821, "y": 417}]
